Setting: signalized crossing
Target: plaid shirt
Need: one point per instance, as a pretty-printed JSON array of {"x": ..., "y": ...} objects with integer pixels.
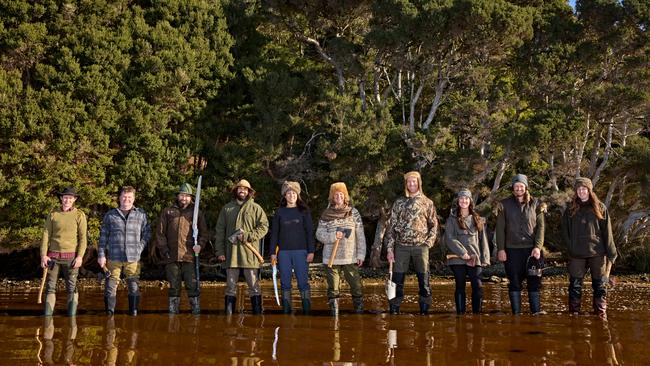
[{"x": 123, "y": 239}]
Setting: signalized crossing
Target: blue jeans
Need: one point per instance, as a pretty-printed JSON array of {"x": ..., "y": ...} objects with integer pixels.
[{"x": 296, "y": 260}]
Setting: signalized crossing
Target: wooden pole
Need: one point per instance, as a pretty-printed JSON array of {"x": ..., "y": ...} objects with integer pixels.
[
  {"x": 40, "y": 290},
  {"x": 336, "y": 248}
]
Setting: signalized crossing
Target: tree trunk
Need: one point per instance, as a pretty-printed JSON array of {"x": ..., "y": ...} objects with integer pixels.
[
  {"x": 437, "y": 100},
  {"x": 581, "y": 148},
  {"x": 503, "y": 165},
  {"x": 595, "y": 151},
  {"x": 413, "y": 103},
  {"x": 608, "y": 150}
]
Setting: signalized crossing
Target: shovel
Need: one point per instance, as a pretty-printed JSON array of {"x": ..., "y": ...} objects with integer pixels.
[{"x": 391, "y": 287}]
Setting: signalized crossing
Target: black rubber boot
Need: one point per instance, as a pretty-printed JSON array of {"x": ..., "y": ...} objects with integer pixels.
[
  {"x": 460, "y": 298},
  {"x": 515, "y": 302},
  {"x": 534, "y": 302},
  {"x": 393, "y": 309},
  {"x": 305, "y": 296},
  {"x": 195, "y": 305},
  {"x": 477, "y": 301},
  {"x": 174, "y": 304},
  {"x": 357, "y": 302},
  {"x": 424, "y": 308},
  {"x": 256, "y": 304},
  {"x": 109, "y": 304},
  {"x": 334, "y": 306},
  {"x": 286, "y": 301},
  {"x": 134, "y": 303},
  {"x": 575, "y": 295},
  {"x": 229, "y": 306},
  {"x": 600, "y": 298}
]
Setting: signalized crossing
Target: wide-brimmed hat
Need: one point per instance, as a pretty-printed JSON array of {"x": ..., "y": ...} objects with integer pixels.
[
  {"x": 185, "y": 188},
  {"x": 68, "y": 191},
  {"x": 243, "y": 183}
]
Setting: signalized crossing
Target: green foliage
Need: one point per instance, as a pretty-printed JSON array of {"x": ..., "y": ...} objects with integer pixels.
[{"x": 151, "y": 94}]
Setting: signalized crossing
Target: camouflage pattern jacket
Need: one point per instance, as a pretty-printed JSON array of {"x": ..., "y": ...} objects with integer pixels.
[{"x": 412, "y": 222}]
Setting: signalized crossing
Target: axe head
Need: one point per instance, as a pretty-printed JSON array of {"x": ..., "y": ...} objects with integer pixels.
[{"x": 346, "y": 231}]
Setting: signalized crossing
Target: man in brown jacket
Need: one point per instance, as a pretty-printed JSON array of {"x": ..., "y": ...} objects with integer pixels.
[{"x": 177, "y": 247}]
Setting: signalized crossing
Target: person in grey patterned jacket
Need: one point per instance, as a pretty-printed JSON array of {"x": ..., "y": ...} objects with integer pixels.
[
  {"x": 411, "y": 231},
  {"x": 125, "y": 232},
  {"x": 341, "y": 222}
]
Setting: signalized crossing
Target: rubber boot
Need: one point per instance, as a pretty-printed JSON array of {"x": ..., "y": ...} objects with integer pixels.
[
  {"x": 600, "y": 306},
  {"x": 575, "y": 295},
  {"x": 534, "y": 302},
  {"x": 195, "y": 305},
  {"x": 600, "y": 298},
  {"x": 109, "y": 304},
  {"x": 334, "y": 306},
  {"x": 256, "y": 304},
  {"x": 286, "y": 301},
  {"x": 424, "y": 308},
  {"x": 174, "y": 304},
  {"x": 460, "y": 299},
  {"x": 515, "y": 302},
  {"x": 134, "y": 302},
  {"x": 477, "y": 301},
  {"x": 73, "y": 302},
  {"x": 229, "y": 306},
  {"x": 393, "y": 309},
  {"x": 50, "y": 301},
  {"x": 305, "y": 296},
  {"x": 357, "y": 302}
]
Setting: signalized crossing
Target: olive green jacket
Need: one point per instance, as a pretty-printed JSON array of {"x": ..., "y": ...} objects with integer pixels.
[{"x": 250, "y": 217}]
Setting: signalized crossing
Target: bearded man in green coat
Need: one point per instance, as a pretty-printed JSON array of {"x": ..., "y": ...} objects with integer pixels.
[{"x": 241, "y": 225}]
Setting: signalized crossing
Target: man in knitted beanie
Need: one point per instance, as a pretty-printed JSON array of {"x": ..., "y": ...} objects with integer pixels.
[{"x": 520, "y": 237}]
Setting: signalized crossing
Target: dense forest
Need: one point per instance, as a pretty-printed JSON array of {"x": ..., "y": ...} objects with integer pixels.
[{"x": 100, "y": 94}]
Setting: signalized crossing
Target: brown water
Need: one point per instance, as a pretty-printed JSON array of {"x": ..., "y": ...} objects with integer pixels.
[{"x": 374, "y": 338}]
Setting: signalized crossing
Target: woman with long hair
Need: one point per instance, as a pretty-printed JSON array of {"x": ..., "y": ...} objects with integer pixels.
[
  {"x": 587, "y": 233},
  {"x": 466, "y": 239},
  {"x": 292, "y": 231}
]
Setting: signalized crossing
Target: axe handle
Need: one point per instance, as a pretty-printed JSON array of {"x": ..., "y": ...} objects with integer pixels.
[
  {"x": 336, "y": 248},
  {"x": 40, "y": 289},
  {"x": 257, "y": 254}
]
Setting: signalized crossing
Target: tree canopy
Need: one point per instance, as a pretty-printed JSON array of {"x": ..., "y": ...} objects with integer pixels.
[{"x": 99, "y": 94}]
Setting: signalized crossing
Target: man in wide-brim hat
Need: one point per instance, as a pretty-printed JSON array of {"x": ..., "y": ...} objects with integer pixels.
[
  {"x": 241, "y": 225},
  {"x": 62, "y": 249}
]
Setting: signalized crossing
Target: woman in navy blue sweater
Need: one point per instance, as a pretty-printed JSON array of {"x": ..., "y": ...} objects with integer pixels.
[{"x": 292, "y": 231}]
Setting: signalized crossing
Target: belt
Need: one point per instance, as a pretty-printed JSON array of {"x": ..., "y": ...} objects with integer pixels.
[{"x": 61, "y": 255}]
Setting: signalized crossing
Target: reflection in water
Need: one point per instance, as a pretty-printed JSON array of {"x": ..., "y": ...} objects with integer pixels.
[
  {"x": 46, "y": 345},
  {"x": 495, "y": 338}
]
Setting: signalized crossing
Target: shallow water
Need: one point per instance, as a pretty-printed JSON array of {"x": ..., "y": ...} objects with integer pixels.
[{"x": 374, "y": 338}]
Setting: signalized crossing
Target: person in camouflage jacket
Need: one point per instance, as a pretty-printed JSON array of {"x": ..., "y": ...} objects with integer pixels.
[{"x": 412, "y": 229}]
